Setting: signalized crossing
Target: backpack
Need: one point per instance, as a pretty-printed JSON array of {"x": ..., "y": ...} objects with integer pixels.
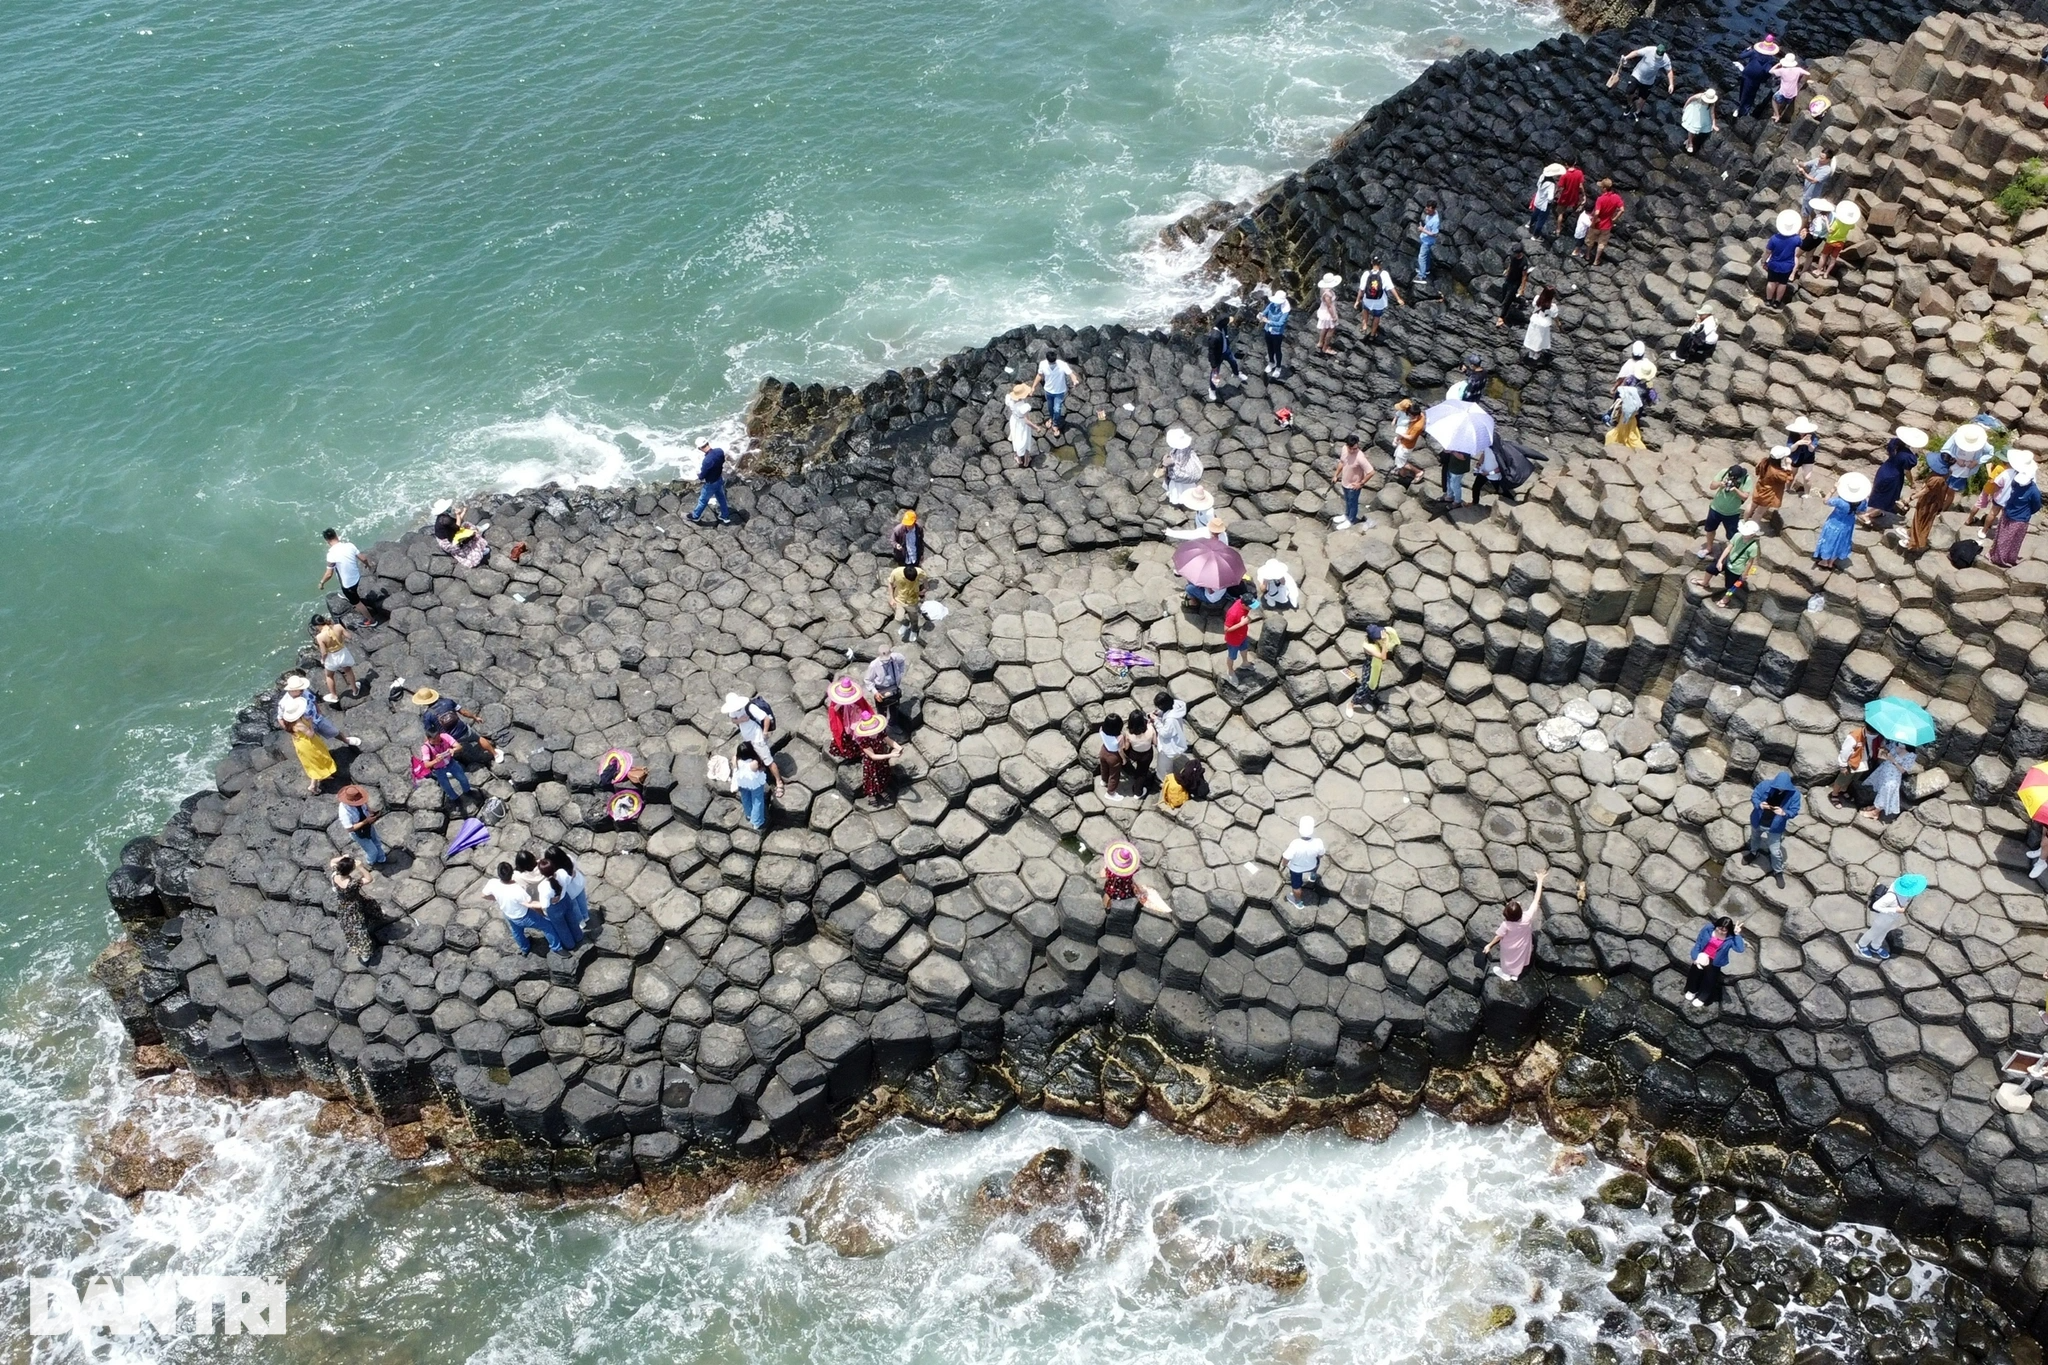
[
  {"x": 1876, "y": 894},
  {"x": 764, "y": 713},
  {"x": 1375, "y": 284},
  {"x": 1193, "y": 780},
  {"x": 1172, "y": 794},
  {"x": 1963, "y": 554}
]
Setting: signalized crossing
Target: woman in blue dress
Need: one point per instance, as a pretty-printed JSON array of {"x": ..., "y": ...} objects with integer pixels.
[
  {"x": 1901, "y": 457},
  {"x": 1838, "y": 532}
]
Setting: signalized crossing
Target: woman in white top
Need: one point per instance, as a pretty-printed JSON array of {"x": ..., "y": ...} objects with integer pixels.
[
  {"x": 1021, "y": 425},
  {"x": 1180, "y": 469},
  {"x": 1326, "y": 313},
  {"x": 1542, "y": 320}
]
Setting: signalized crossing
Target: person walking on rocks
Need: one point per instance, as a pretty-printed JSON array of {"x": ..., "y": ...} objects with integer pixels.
[
  {"x": 1781, "y": 257},
  {"x": 1110, "y": 738},
  {"x": 750, "y": 784},
  {"x": 1724, "y": 506},
  {"x": 1514, "y": 283},
  {"x": 1056, "y": 377},
  {"x": 360, "y": 821},
  {"x": 439, "y": 757},
  {"x": 559, "y": 866},
  {"x": 1303, "y": 860},
  {"x": 1901, "y": 458},
  {"x": 521, "y": 909},
  {"x": 1887, "y": 914},
  {"x": 1354, "y": 468},
  {"x": 1802, "y": 442},
  {"x": 1371, "y": 673},
  {"x": 1022, "y": 428},
  {"x": 1737, "y": 558},
  {"x": 315, "y": 759},
  {"x": 711, "y": 474},
  {"x": 877, "y": 753},
  {"x": 557, "y": 908},
  {"x": 1838, "y": 533},
  {"x": 1237, "y": 633},
  {"x": 1697, "y": 118},
  {"x": 1180, "y": 469},
  {"x": 907, "y": 541},
  {"x": 884, "y": 682},
  {"x": 756, "y": 722},
  {"x": 1755, "y": 65},
  {"x": 1820, "y": 216},
  {"x": 1571, "y": 193},
  {"x": 1544, "y": 200},
  {"x": 1888, "y": 782},
  {"x": 906, "y": 600},
  {"x": 1432, "y": 227},
  {"x": 1273, "y": 323},
  {"x": 1140, "y": 742},
  {"x": 1774, "y": 474},
  {"x": 1650, "y": 63},
  {"x": 351, "y": 883},
  {"x": 2022, "y": 502},
  {"x": 1859, "y": 751},
  {"x": 1772, "y": 805},
  {"x": 844, "y": 705},
  {"x": 346, "y": 564},
  {"x": 1120, "y": 864},
  {"x": 1409, "y": 425},
  {"x": 1169, "y": 723},
  {"x": 1625, "y": 428},
  {"x": 1326, "y": 314},
  {"x": 1948, "y": 470},
  {"x": 1221, "y": 352},
  {"x": 1710, "y": 951},
  {"x": 1814, "y": 173},
  {"x": 1516, "y": 936},
  {"x": 1375, "y": 292},
  {"x": 1788, "y": 73},
  {"x": 1847, "y": 218},
  {"x": 337, "y": 660},
  {"x": 1606, "y": 212},
  {"x": 297, "y": 704},
  {"x": 1537, "y": 336}
]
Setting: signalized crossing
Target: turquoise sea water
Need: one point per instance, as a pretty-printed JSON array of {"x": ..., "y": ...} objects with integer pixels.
[{"x": 267, "y": 268}]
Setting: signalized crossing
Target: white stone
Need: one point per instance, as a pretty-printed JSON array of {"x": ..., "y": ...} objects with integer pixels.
[
  {"x": 1558, "y": 733},
  {"x": 1582, "y": 711},
  {"x": 1662, "y": 758},
  {"x": 1593, "y": 741}
]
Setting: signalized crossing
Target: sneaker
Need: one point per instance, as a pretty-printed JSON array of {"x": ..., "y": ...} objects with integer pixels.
[
  {"x": 1212, "y": 393},
  {"x": 1868, "y": 952},
  {"x": 353, "y": 741},
  {"x": 1779, "y": 878},
  {"x": 331, "y": 699},
  {"x": 1341, "y": 523}
]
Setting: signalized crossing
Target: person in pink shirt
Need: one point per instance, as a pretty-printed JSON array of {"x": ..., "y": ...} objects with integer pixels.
[
  {"x": 1516, "y": 937},
  {"x": 1788, "y": 73}
]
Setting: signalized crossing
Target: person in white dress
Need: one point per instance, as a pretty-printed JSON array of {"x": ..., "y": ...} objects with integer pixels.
[
  {"x": 1021, "y": 426},
  {"x": 1542, "y": 321}
]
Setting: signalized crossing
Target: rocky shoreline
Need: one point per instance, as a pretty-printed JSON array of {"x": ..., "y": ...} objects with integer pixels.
[{"x": 749, "y": 996}]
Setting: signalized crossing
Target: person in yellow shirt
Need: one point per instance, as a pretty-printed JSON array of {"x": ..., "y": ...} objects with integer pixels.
[
  {"x": 906, "y": 600},
  {"x": 1380, "y": 644}
]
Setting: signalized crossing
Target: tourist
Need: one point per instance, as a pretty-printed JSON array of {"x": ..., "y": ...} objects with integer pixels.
[
  {"x": 1102, "y": 431},
  {"x": 361, "y": 823},
  {"x": 521, "y": 907},
  {"x": 1120, "y": 864},
  {"x": 750, "y": 784},
  {"x": 1111, "y": 766},
  {"x": 1781, "y": 257},
  {"x": 1802, "y": 443},
  {"x": 1788, "y": 73},
  {"x": 1949, "y": 469},
  {"x": 1326, "y": 313},
  {"x": 439, "y": 714},
  {"x": 556, "y": 906},
  {"x": 296, "y": 704},
  {"x": 2038, "y": 854},
  {"x": 1571, "y": 192},
  {"x": 461, "y": 542},
  {"x": 1838, "y": 532},
  {"x": 1700, "y": 336},
  {"x": 1544, "y": 201},
  {"x": 1221, "y": 352},
  {"x": 1273, "y": 323},
  {"x": 1375, "y": 289},
  {"x": 1237, "y": 632},
  {"x": 1140, "y": 740},
  {"x": 1774, "y": 474},
  {"x": 906, "y": 600},
  {"x": 2022, "y": 501},
  {"x": 1514, "y": 282},
  {"x": 1180, "y": 469},
  {"x": 1056, "y": 377},
  {"x": 1847, "y": 217},
  {"x": 1735, "y": 561},
  {"x": 1516, "y": 936},
  {"x": 1485, "y": 472},
  {"x": 337, "y": 660},
  {"x": 313, "y": 755},
  {"x": 1772, "y": 805},
  {"x": 345, "y": 563},
  {"x": 1820, "y": 216},
  {"x": 1813, "y": 176},
  {"x": 1536, "y": 338},
  {"x": 1901, "y": 458},
  {"x": 710, "y": 474},
  {"x": 1859, "y": 752},
  {"x": 1276, "y": 588},
  {"x": 1629, "y": 396},
  {"x": 1994, "y": 484},
  {"x": 1426, "y": 235},
  {"x": 1409, "y": 425},
  {"x": 1887, "y": 914},
  {"x": 1371, "y": 673},
  {"x": 1606, "y": 211},
  {"x": 1697, "y": 118},
  {"x": 1724, "y": 506},
  {"x": 1354, "y": 468},
  {"x": 1201, "y": 505},
  {"x": 1022, "y": 428},
  {"x": 1888, "y": 782},
  {"x": 884, "y": 682},
  {"x": 1755, "y": 64},
  {"x": 351, "y": 905},
  {"x": 557, "y": 863},
  {"x": 1169, "y": 723},
  {"x": 440, "y": 757},
  {"x": 755, "y": 720},
  {"x": 1456, "y": 465},
  {"x": 907, "y": 541},
  {"x": 1470, "y": 385},
  {"x": 1709, "y": 955},
  {"x": 1650, "y": 63},
  {"x": 877, "y": 753},
  {"x": 845, "y": 705},
  {"x": 1303, "y": 860}
]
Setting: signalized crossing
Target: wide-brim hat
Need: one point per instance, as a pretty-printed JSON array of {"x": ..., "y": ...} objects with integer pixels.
[
  {"x": 353, "y": 795},
  {"x": 1802, "y": 425},
  {"x": 1020, "y": 390},
  {"x": 426, "y": 696},
  {"x": 1748, "y": 528},
  {"x": 444, "y": 505},
  {"x": 1178, "y": 439},
  {"x": 1971, "y": 437},
  {"x": 291, "y": 707},
  {"x": 1330, "y": 281},
  {"x": 2021, "y": 459},
  {"x": 1199, "y": 499},
  {"x": 1279, "y": 296},
  {"x": 1554, "y": 168},
  {"x": 1788, "y": 221},
  {"x": 1789, "y": 59},
  {"x": 733, "y": 704},
  {"x": 295, "y": 683},
  {"x": 1768, "y": 46},
  {"x": 844, "y": 691},
  {"x": 1781, "y": 452},
  {"x": 1909, "y": 886},
  {"x": 1853, "y": 487},
  {"x": 1847, "y": 212},
  {"x": 1822, "y": 206},
  {"x": 1272, "y": 569},
  {"x": 1120, "y": 859},
  {"x": 1912, "y": 438},
  {"x": 1710, "y": 97},
  {"x": 1644, "y": 369},
  {"x": 871, "y": 727}
]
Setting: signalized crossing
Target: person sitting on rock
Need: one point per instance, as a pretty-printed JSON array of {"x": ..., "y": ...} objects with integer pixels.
[
  {"x": 1888, "y": 782},
  {"x": 1887, "y": 913},
  {"x": 1700, "y": 339},
  {"x": 1371, "y": 673},
  {"x": 1120, "y": 864},
  {"x": 1710, "y": 952},
  {"x": 1516, "y": 936},
  {"x": 1772, "y": 806},
  {"x": 1859, "y": 752},
  {"x": 461, "y": 542},
  {"x": 445, "y": 715},
  {"x": 877, "y": 753}
]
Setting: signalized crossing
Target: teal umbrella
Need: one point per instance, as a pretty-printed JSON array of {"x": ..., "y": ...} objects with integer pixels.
[{"x": 1899, "y": 720}]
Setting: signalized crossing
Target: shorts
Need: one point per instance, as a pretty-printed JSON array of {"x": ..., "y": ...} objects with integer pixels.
[
  {"x": 1296, "y": 879},
  {"x": 1721, "y": 521},
  {"x": 1375, "y": 306},
  {"x": 338, "y": 660},
  {"x": 1236, "y": 650},
  {"x": 1778, "y": 276},
  {"x": 353, "y": 592},
  {"x": 1597, "y": 237}
]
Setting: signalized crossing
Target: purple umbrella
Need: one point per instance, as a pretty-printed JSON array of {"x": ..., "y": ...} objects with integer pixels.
[
  {"x": 1209, "y": 563},
  {"x": 468, "y": 835}
]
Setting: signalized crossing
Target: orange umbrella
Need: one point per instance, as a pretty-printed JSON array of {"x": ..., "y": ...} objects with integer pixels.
[{"x": 2034, "y": 793}]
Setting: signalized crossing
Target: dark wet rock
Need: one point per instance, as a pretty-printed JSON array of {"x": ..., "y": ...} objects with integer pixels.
[{"x": 1625, "y": 1191}]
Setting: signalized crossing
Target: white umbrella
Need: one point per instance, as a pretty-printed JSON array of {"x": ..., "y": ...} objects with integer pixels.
[{"x": 1457, "y": 425}]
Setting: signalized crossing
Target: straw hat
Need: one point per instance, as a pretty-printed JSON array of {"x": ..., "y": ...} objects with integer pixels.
[
  {"x": 843, "y": 692},
  {"x": 1912, "y": 438},
  {"x": 1177, "y": 439},
  {"x": 291, "y": 707},
  {"x": 1199, "y": 499},
  {"x": 1822, "y": 206},
  {"x": 1120, "y": 860},
  {"x": 1644, "y": 369},
  {"x": 295, "y": 683},
  {"x": 1853, "y": 487},
  {"x": 1789, "y": 59},
  {"x": 1020, "y": 390},
  {"x": 871, "y": 727},
  {"x": 1769, "y": 45},
  {"x": 352, "y": 795},
  {"x": 426, "y": 696},
  {"x": 1789, "y": 222},
  {"x": 1802, "y": 425},
  {"x": 1971, "y": 438},
  {"x": 1847, "y": 212},
  {"x": 1909, "y": 886},
  {"x": 1748, "y": 528},
  {"x": 1330, "y": 281},
  {"x": 1555, "y": 168},
  {"x": 1710, "y": 96},
  {"x": 1217, "y": 523}
]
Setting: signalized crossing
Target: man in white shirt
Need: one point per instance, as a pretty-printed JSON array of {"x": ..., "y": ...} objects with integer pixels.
[
  {"x": 1302, "y": 858},
  {"x": 519, "y": 906},
  {"x": 1650, "y": 62},
  {"x": 346, "y": 564},
  {"x": 1055, "y": 376}
]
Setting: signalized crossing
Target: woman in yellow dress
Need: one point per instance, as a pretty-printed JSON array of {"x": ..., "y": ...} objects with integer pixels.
[{"x": 313, "y": 755}]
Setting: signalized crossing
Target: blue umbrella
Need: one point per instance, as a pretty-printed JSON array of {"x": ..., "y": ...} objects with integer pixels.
[
  {"x": 1899, "y": 720},
  {"x": 468, "y": 835}
]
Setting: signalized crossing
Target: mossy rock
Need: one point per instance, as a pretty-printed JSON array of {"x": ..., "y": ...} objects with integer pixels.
[
  {"x": 1625, "y": 1191},
  {"x": 1628, "y": 1282},
  {"x": 1673, "y": 1163},
  {"x": 1586, "y": 1242}
]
